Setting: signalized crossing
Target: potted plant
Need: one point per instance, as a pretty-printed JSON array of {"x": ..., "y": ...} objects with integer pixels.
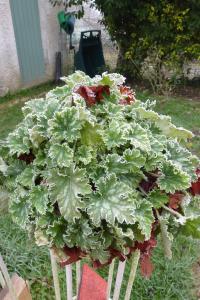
[{"x": 91, "y": 171}]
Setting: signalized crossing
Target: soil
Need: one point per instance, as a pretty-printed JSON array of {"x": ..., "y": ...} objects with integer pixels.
[
  {"x": 189, "y": 92},
  {"x": 186, "y": 91},
  {"x": 18, "y": 100}
]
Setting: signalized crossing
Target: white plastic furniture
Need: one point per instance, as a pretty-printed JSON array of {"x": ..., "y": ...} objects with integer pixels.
[{"x": 71, "y": 292}]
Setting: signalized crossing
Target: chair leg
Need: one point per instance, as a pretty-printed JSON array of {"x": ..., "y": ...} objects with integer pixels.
[
  {"x": 135, "y": 260},
  {"x": 68, "y": 269},
  {"x": 55, "y": 276},
  {"x": 110, "y": 277},
  {"x": 78, "y": 275},
  {"x": 119, "y": 278}
]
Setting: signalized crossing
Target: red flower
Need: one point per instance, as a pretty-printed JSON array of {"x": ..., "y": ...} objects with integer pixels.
[
  {"x": 93, "y": 94},
  {"x": 100, "y": 90},
  {"x": 87, "y": 94},
  {"x": 146, "y": 248},
  {"x": 128, "y": 95},
  {"x": 175, "y": 200},
  {"x": 74, "y": 255},
  {"x": 195, "y": 187}
]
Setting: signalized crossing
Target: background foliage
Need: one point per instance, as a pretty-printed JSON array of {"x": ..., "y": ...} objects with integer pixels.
[{"x": 155, "y": 38}]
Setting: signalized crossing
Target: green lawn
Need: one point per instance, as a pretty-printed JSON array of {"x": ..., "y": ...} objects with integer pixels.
[{"x": 171, "y": 279}]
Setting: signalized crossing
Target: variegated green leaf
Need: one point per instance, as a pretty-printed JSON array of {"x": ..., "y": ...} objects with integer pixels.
[
  {"x": 65, "y": 125},
  {"x": 182, "y": 158},
  {"x": 144, "y": 220},
  {"x": 111, "y": 202},
  {"x": 20, "y": 210},
  {"x": 138, "y": 137},
  {"x": 116, "y": 164},
  {"x": 134, "y": 159},
  {"x": 157, "y": 198},
  {"x": 115, "y": 134},
  {"x": 27, "y": 177},
  {"x": 18, "y": 141},
  {"x": 39, "y": 198},
  {"x": 67, "y": 187},
  {"x": 62, "y": 154},
  {"x": 85, "y": 154},
  {"x": 90, "y": 135},
  {"x": 173, "y": 179}
]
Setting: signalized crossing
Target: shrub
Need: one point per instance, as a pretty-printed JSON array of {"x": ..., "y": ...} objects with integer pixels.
[{"x": 93, "y": 171}]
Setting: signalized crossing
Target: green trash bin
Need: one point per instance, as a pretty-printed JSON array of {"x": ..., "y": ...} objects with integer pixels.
[{"x": 90, "y": 58}]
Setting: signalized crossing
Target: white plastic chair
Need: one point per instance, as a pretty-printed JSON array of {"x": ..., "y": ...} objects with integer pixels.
[{"x": 71, "y": 293}]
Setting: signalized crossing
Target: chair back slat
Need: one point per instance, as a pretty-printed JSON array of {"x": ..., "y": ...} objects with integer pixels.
[
  {"x": 135, "y": 259},
  {"x": 119, "y": 278},
  {"x": 110, "y": 278},
  {"x": 69, "y": 283},
  {"x": 6, "y": 279},
  {"x": 55, "y": 276}
]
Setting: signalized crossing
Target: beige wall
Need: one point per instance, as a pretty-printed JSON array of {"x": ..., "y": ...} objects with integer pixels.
[
  {"x": 52, "y": 39},
  {"x": 9, "y": 67},
  {"x": 10, "y": 78}
]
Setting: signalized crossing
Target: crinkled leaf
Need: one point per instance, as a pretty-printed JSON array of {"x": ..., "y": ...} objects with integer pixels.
[
  {"x": 116, "y": 164},
  {"x": 75, "y": 79},
  {"x": 34, "y": 107},
  {"x": 157, "y": 198},
  {"x": 59, "y": 93},
  {"x": 18, "y": 141},
  {"x": 20, "y": 209},
  {"x": 90, "y": 135},
  {"x": 166, "y": 238},
  {"x": 183, "y": 159},
  {"x": 158, "y": 142},
  {"x": 36, "y": 136},
  {"x": 132, "y": 179},
  {"x": 112, "y": 201},
  {"x": 62, "y": 154},
  {"x": 134, "y": 159},
  {"x": 172, "y": 131},
  {"x": 80, "y": 234},
  {"x": 84, "y": 154},
  {"x": 144, "y": 216},
  {"x": 191, "y": 228},
  {"x": 40, "y": 159},
  {"x": 67, "y": 187},
  {"x": 56, "y": 232},
  {"x": 39, "y": 198},
  {"x": 154, "y": 160},
  {"x": 66, "y": 125},
  {"x": 138, "y": 138},
  {"x": 172, "y": 179},
  {"x": 27, "y": 177},
  {"x": 115, "y": 134}
]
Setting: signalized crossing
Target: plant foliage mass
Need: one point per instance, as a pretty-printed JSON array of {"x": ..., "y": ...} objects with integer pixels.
[{"x": 91, "y": 171}]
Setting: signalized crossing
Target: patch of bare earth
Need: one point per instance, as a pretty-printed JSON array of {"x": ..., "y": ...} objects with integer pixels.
[
  {"x": 19, "y": 100},
  {"x": 189, "y": 92}
]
